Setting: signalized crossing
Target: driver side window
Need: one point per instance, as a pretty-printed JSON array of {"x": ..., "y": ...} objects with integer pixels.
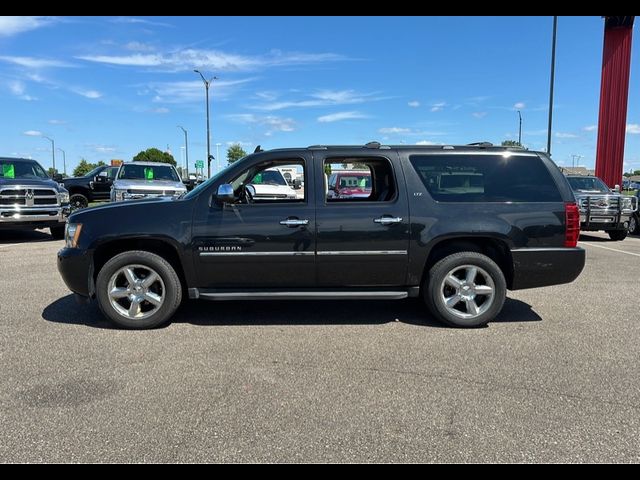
[{"x": 274, "y": 181}]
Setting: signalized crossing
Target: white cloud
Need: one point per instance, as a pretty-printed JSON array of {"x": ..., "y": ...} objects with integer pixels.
[
  {"x": 211, "y": 60},
  {"x": 240, "y": 142},
  {"x": 590, "y": 128},
  {"x": 160, "y": 110},
  {"x": 86, "y": 93},
  {"x": 14, "y": 25},
  {"x": 191, "y": 91},
  {"x": 32, "y": 133},
  {"x": 519, "y": 105},
  {"x": 394, "y": 130},
  {"x": 104, "y": 148},
  {"x": 633, "y": 128},
  {"x": 336, "y": 117},
  {"x": 140, "y": 21},
  {"x": 427, "y": 142},
  {"x": 31, "y": 62},
  {"x": 139, "y": 47},
  {"x": 479, "y": 114},
  {"x": 437, "y": 107},
  {"x": 321, "y": 98},
  {"x": 414, "y": 104},
  {"x": 57, "y": 122},
  {"x": 565, "y": 135},
  {"x": 271, "y": 123}
]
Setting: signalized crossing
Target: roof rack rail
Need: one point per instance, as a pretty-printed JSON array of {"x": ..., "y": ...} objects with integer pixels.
[
  {"x": 480, "y": 144},
  {"x": 317, "y": 147},
  {"x": 372, "y": 145}
]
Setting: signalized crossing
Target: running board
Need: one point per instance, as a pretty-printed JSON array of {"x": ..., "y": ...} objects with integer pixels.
[{"x": 302, "y": 295}]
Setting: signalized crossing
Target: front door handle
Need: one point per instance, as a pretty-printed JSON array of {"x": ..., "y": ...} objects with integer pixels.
[
  {"x": 294, "y": 222},
  {"x": 387, "y": 220}
]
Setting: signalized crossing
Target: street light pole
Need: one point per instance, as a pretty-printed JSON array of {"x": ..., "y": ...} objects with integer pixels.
[
  {"x": 64, "y": 161},
  {"x": 206, "y": 87},
  {"x": 53, "y": 152},
  {"x": 218, "y": 156},
  {"x": 553, "y": 72},
  {"x": 520, "y": 129},
  {"x": 186, "y": 147}
]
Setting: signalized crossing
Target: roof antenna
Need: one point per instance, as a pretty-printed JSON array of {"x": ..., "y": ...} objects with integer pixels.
[{"x": 258, "y": 149}]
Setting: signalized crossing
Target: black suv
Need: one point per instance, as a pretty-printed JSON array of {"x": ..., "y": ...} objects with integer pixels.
[
  {"x": 92, "y": 187},
  {"x": 457, "y": 226}
]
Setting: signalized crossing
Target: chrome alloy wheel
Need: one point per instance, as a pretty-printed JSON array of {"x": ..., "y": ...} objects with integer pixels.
[
  {"x": 467, "y": 291},
  {"x": 136, "y": 292}
]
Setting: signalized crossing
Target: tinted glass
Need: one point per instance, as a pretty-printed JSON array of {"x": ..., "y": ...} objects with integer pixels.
[
  {"x": 486, "y": 178},
  {"x": 588, "y": 184},
  {"x": 148, "y": 172},
  {"x": 21, "y": 170}
]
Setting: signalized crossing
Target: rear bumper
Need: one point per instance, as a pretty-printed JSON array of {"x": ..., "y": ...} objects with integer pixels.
[
  {"x": 76, "y": 268},
  {"x": 541, "y": 267}
]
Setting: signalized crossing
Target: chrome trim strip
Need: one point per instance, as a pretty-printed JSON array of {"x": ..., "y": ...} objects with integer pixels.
[
  {"x": 326, "y": 295},
  {"x": 362, "y": 252},
  {"x": 255, "y": 254}
]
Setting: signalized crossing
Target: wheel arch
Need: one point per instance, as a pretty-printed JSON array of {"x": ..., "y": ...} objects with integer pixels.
[{"x": 497, "y": 249}]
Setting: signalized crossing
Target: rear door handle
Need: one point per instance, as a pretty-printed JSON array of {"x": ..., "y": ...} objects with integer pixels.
[
  {"x": 387, "y": 220},
  {"x": 294, "y": 222}
]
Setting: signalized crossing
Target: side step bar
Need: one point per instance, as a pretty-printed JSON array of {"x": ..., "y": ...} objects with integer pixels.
[{"x": 195, "y": 293}]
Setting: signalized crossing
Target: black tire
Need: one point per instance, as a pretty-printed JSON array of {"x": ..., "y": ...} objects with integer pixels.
[
  {"x": 618, "y": 235},
  {"x": 78, "y": 201},
  {"x": 57, "y": 232},
  {"x": 634, "y": 226},
  {"x": 460, "y": 314},
  {"x": 171, "y": 290}
]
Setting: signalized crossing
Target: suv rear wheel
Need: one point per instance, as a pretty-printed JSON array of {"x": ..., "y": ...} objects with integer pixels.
[
  {"x": 465, "y": 289},
  {"x": 634, "y": 228},
  {"x": 138, "y": 290},
  {"x": 78, "y": 201}
]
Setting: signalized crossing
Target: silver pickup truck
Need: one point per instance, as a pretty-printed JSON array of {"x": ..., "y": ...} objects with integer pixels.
[
  {"x": 29, "y": 199},
  {"x": 601, "y": 208}
]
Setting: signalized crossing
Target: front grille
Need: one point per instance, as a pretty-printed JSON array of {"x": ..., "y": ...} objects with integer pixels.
[
  {"x": 600, "y": 203},
  {"x": 25, "y": 196},
  {"x": 151, "y": 192}
]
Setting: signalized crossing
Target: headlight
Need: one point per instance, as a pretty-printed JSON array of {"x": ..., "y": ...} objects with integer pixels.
[
  {"x": 119, "y": 195},
  {"x": 72, "y": 234},
  {"x": 63, "y": 197}
]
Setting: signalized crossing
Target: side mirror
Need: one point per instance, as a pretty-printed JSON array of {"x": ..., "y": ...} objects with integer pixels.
[
  {"x": 297, "y": 184},
  {"x": 225, "y": 193},
  {"x": 57, "y": 177},
  {"x": 616, "y": 189}
]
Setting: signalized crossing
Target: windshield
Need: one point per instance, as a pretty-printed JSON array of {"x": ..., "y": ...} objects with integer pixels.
[
  {"x": 588, "y": 184},
  {"x": 23, "y": 170},
  {"x": 93, "y": 172},
  {"x": 132, "y": 171},
  {"x": 269, "y": 177},
  {"x": 208, "y": 182}
]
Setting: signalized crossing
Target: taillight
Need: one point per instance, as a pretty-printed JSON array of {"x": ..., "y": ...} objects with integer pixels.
[{"x": 572, "y": 224}]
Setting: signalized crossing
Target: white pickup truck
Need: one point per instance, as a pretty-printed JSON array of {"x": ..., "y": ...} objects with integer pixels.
[{"x": 270, "y": 184}]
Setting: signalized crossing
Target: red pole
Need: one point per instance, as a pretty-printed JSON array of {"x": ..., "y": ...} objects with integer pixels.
[{"x": 614, "y": 92}]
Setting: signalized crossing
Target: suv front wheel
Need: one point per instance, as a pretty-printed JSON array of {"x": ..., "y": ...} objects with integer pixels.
[
  {"x": 138, "y": 290},
  {"x": 465, "y": 289}
]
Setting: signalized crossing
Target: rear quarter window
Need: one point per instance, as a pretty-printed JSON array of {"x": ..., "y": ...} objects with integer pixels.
[{"x": 486, "y": 178}]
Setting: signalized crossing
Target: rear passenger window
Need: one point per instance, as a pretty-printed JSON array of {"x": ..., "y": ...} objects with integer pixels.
[
  {"x": 359, "y": 179},
  {"x": 486, "y": 178}
]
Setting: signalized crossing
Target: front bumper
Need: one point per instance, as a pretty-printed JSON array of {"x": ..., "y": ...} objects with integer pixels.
[
  {"x": 76, "y": 268},
  {"x": 604, "y": 220},
  {"x": 34, "y": 216},
  {"x": 541, "y": 267}
]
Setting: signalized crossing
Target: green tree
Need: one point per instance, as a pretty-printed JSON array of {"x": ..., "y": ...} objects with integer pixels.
[
  {"x": 83, "y": 168},
  {"x": 512, "y": 143},
  {"x": 154, "y": 155},
  {"x": 235, "y": 152}
]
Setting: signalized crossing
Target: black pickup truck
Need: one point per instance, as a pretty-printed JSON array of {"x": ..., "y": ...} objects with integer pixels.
[
  {"x": 457, "y": 226},
  {"x": 92, "y": 187}
]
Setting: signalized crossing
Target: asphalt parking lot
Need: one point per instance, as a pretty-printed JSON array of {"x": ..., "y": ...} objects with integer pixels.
[{"x": 555, "y": 379}]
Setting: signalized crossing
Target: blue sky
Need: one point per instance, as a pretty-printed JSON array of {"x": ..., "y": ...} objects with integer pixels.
[{"x": 108, "y": 87}]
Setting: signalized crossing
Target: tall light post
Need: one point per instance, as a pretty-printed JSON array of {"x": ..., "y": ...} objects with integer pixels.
[
  {"x": 206, "y": 87},
  {"x": 520, "y": 129},
  {"x": 53, "y": 152},
  {"x": 551, "y": 81},
  {"x": 186, "y": 146},
  {"x": 218, "y": 155},
  {"x": 64, "y": 161}
]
